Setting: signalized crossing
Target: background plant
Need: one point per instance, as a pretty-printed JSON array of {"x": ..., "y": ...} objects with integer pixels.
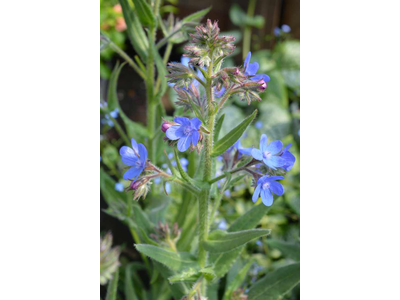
[{"x": 255, "y": 258}]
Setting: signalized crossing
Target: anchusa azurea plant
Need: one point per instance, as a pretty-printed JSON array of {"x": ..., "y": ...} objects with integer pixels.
[{"x": 187, "y": 247}]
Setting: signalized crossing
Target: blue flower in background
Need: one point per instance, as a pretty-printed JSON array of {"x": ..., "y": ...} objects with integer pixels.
[
  {"x": 220, "y": 93},
  {"x": 266, "y": 185},
  {"x": 223, "y": 225},
  {"x": 269, "y": 153},
  {"x": 135, "y": 158},
  {"x": 114, "y": 113},
  {"x": 187, "y": 131},
  {"x": 119, "y": 187},
  {"x": 258, "y": 124},
  {"x": 286, "y": 28},
  {"x": 168, "y": 187},
  {"x": 185, "y": 61},
  {"x": 184, "y": 162},
  {"x": 288, "y": 157},
  {"x": 277, "y": 31},
  {"x": 252, "y": 68}
]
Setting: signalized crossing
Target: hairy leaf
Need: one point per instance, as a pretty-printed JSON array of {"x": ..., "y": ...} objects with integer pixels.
[
  {"x": 218, "y": 126},
  {"x": 229, "y": 139},
  {"x": 221, "y": 241},
  {"x": 174, "y": 261},
  {"x": 197, "y": 16},
  {"x": 289, "y": 250},
  {"x": 129, "y": 289},
  {"x": 145, "y": 13},
  {"x": 237, "y": 281},
  {"x": 275, "y": 284}
]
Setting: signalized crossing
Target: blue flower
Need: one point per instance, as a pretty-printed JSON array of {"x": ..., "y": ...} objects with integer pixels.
[
  {"x": 168, "y": 187},
  {"x": 134, "y": 157},
  {"x": 266, "y": 185},
  {"x": 223, "y": 225},
  {"x": 288, "y": 157},
  {"x": 114, "y": 113},
  {"x": 277, "y": 31},
  {"x": 286, "y": 28},
  {"x": 220, "y": 93},
  {"x": 187, "y": 131},
  {"x": 184, "y": 162},
  {"x": 269, "y": 154},
  {"x": 252, "y": 68},
  {"x": 258, "y": 124},
  {"x": 119, "y": 187}
]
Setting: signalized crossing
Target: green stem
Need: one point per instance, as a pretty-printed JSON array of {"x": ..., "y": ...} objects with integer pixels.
[
  {"x": 128, "y": 59},
  {"x": 120, "y": 131},
  {"x": 151, "y": 103},
  {"x": 247, "y": 29}
]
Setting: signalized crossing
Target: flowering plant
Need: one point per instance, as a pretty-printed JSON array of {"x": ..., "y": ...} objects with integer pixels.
[{"x": 190, "y": 260}]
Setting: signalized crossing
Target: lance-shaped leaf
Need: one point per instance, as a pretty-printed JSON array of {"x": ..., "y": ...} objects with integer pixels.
[
  {"x": 237, "y": 281},
  {"x": 221, "y": 241},
  {"x": 229, "y": 139},
  {"x": 217, "y": 128},
  {"x": 188, "y": 275},
  {"x": 275, "y": 284},
  {"x": 133, "y": 128},
  {"x": 178, "y": 289},
  {"x": 112, "y": 287},
  {"x": 161, "y": 73},
  {"x": 289, "y": 250},
  {"x": 197, "y": 16},
  {"x": 144, "y": 12},
  {"x": 129, "y": 288},
  {"x": 223, "y": 261},
  {"x": 174, "y": 261},
  {"x": 135, "y": 30}
]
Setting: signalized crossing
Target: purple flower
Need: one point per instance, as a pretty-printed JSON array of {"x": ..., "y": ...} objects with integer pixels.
[
  {"x": 186, "y": 131},
  {"x": 288, "y": 157},
  {"x": 269, "y": 154},
  {"x": 286, "y": 28},
  {"x": 266, "y": 185},
  {"x": 135, "y": 158},
  {"x": 252, "y": 68}
]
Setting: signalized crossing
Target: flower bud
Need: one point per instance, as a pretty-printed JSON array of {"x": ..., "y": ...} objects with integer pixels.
[
  {"x": 134, "y": 185},
  {"x": 165, "y": 126},
  {"x": 263, "y": 85}
]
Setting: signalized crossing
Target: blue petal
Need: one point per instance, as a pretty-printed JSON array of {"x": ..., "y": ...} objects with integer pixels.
[
  {"x": 256, "y": 193},
  {"x": 273, "y": 178},
  {"x": 131, "y": 173},
  {"x": 185, "y": 61},
  {"x": 128, "y": 157},
  {"x": 220, "y": 93},
  {"x": 245, "y": 151},
  {"x": 134, "y": 145},
  {"x": 196, "y": 123},
  {"x": 266, "y": 197},
  {"x": 261, "y": 76},
  {"x": 142, "y": 153},
  {"x": 257, "y": 154},
  {"x": 286, "y": 148},
  {"x": 252, "y": 68},
  {"x": 247, "y": 60},
  {"x": 263, "y": 142},
  {"x": 195, "y": 137},
  {"x": 173, "y": 133},
  {"x": 276, "y": 188},
  {"x": 274, "y": 162},
  {"x": 274, "y": 147},
  {"x": 184, "y": 143},
  {"x": 181, "y": 120},
  {"x": 290, "y": 160}
]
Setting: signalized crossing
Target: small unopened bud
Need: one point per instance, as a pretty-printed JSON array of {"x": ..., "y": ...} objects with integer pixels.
[
  {"x": 236, "y": 71},
  {"x": 134, "y": 185},
  {"x": 263, "y": 84},
  {"x": 165, "y": 126},
  {"x": 200, "y": 136}
]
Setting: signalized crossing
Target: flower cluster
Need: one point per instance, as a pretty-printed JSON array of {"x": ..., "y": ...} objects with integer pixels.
[{"x": 184, "y": 132}]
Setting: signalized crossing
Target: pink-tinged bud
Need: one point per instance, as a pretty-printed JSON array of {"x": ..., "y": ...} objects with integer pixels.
[
  {"x": 200, "y": 136},
  {"x": 134, "y": 185},
  {"x": 263, "y": 85},
  {"x": 236, "y": 71},
  {"x": 165, "y": 126}
]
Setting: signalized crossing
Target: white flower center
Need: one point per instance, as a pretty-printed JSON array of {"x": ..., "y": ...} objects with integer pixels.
[
  {"x": 187, "y": 130},
  {"x": 266, "y": 185},
  {"x": 267, "y": 155}
]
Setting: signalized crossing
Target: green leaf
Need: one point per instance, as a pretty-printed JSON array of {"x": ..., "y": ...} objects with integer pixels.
[
  {"x": 184, "y": 175},
  {"x": 250, "y": 219},
  {"x": 188, "y": 275},
  {"x": 135, "y": 30},
  {"x": 134, "y": 129},
  {"x": 228, "y": 140},
  {"x": 178, "y": 289},
  {"x": 239, "y": 18},
  {"x": 221, "y": 241},
  {"x": 224, "y": 261},
  {"x": 116, "y": 201},
  {"x": 129, "y": 289},
  {"x": 289, "y": 250},
  {"x": 145, "y": 12},
  {"x": 197, "y": 16},
  {"x": 174, "y": 261},
  {"x": 162, "y": 72},
  {"x": 141, "y": 219},
  {"x": 237, "y": 281},
  {"x": 112, "y": 287},
  {"x": 275, "y": 284},
  {"x": 218, "y": 126}
]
